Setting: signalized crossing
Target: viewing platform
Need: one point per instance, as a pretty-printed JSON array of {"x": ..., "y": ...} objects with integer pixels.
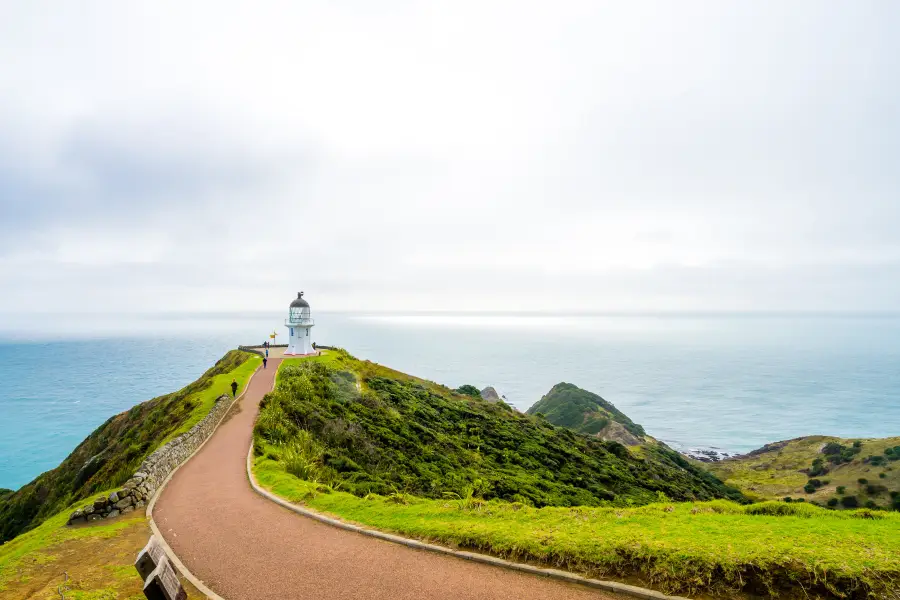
[{"x": 290, "y": 322}]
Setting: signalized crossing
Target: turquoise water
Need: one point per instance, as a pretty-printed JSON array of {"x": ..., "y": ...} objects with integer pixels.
[{"x": 729, "y": 383}]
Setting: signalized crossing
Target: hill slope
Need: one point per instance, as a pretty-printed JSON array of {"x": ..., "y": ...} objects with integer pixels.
[
  {"x": 109, "y": 455},
  {"x": 567, "y": 405},
  {"x": 828, "y": 470},
  {"x": 374, "y": 430}
]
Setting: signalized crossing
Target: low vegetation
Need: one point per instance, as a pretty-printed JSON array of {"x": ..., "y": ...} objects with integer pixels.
[
  {"x": 109, "y": 455},
  {"x": 90, "y": 562},
  {"x": 372, "y": 430},
  {"x": 569, "y": 406},
  {"x": 719, "y": 547},
  {"x": 828, "y": 471},
  {"x": 389, "y": 451}
]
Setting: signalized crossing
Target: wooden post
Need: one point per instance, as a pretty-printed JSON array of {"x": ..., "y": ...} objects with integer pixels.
[{"x": 160, "y": 579}]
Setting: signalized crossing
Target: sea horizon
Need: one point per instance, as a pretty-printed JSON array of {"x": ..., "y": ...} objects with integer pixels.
[{"x": 709, "y": 381}]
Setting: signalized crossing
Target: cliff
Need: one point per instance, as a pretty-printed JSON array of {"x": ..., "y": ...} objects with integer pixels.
[{"x": 110, "y": 455}]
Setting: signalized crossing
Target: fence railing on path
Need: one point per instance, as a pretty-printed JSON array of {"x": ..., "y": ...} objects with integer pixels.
[{"x": 258, "y": 348}]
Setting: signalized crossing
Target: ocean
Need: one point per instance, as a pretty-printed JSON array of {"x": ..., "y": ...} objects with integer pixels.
[{"x": 725, "y": 382}]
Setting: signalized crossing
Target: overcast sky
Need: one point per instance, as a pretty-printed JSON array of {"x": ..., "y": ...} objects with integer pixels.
[{"x": 180, "y": 156}]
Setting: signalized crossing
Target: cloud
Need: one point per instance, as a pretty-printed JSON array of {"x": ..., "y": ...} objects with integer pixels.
[{"x": 569, "y": 155}]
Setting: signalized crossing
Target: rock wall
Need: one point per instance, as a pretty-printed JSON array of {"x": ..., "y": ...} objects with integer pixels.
[{"x": 137, "y": 491}]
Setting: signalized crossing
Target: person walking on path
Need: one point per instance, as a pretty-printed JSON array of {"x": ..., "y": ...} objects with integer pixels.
[
  {"x": 265, "y": 360},
  {"x": 267, "y": 353},
  {"x": 233, "y": 388}
]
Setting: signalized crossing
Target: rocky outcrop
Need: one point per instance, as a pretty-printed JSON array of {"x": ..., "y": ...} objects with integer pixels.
[
  {"x": 616, "y": 432},
  {"x": 707, "y": 455},
  {"x": 90, "y": 467},
  {"x": 137, "y": 491},
  {"x": 490, "y": 394}
]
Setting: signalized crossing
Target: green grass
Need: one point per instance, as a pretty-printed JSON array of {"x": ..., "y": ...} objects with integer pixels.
[
  {"x": 111, "y": 454},
  {"x": 98, "y": 558},
  {"x": 784, "y": 471},
  {"x": 569, "y": 406},
  {"x": 36, "y": 543},
  {"x": 377, "y": 430},
  {"x": 204, "y": 399},
  {"x": 412, "y": 441},
  {"x": 716, "y": 547}
]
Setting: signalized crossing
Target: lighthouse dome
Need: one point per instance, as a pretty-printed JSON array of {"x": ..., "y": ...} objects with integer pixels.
[{"x": 299, "y": 302}]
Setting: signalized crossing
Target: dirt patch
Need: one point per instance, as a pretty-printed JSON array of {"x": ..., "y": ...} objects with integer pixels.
[{"x": 98, "y": 568}]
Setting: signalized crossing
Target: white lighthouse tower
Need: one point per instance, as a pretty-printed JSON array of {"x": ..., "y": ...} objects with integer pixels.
[{"x": 299, "y": 323}]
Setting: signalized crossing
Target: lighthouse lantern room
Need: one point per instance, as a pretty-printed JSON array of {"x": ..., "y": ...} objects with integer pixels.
[{"x": 299, "y": 323}]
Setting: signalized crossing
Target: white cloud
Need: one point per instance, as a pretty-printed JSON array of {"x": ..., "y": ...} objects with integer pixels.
[{"x": 494, "y": 155}]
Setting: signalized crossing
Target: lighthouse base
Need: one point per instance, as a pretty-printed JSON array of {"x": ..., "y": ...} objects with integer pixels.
[{"x": 299, "y": 341}]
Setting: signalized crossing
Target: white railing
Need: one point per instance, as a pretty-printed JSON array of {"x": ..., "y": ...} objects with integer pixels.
[{"x": 295, "y": 322}]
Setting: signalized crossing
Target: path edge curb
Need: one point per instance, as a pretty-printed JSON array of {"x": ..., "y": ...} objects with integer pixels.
[
  {"x": 180, "y": 566},
  {"x": 608, "y": 586}
]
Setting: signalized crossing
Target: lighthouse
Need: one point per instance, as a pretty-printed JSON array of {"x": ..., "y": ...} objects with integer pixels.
[{"x": 299, "y": 323}]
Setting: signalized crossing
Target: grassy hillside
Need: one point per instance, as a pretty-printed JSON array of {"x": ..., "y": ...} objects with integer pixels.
[
  {"x": 98, "y": 558},
  {"x": 718, "y": 548},
  {"x": 109, "y": 455},
  {"x": 567, "y": 405},
  {"x": 369, "y": 429},
  {"x": 831, "y": 471}
]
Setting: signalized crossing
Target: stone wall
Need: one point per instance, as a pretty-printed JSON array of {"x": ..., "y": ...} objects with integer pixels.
[{"x": 137, "y": 491}]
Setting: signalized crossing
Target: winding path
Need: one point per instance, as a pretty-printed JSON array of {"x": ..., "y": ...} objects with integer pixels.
[{"x": 245, "y": 547}]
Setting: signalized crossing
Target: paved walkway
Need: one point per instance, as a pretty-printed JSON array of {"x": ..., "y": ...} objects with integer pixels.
[{"x": 245, "y": 547}]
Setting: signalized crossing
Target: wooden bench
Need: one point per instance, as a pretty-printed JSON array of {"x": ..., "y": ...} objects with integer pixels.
[{"x": 160, "y": 579}]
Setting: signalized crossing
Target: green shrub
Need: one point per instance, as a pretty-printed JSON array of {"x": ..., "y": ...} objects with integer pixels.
[
  {"x": 882, "y": 475},
  {"x": 832, "y": 448},
  {"x": 809, "y": 488},
  {"x": 400, "y": 433},
  {"x": 797, "y": 508},
  {"x": 818, "y": 468},
  {"x": 833, "y": 502},
  {"x": 850, "y": 502},
  {"x": 838, "y": 454},
  {"x": 862, "y": 481},
  {"x": 875, "y": 490},
  {"x": 857, "y": 444},
  {"x": 567, "y": 405},
  {"x": 469, "y": 390},
  {"x": 871, "y": 504},
  {"x": 841, "y": 489},
  {"x": 788, "y": 499}
]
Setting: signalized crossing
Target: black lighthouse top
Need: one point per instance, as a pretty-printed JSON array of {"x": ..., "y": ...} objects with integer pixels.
[{"x": 299, "y": 302}]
